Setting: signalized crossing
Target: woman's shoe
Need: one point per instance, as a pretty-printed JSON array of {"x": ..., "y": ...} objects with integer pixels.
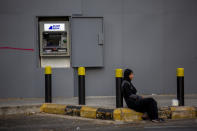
[
  {"x": 145, "y": 116},
  {"x": 161, "y": 120},
  {"x": 158, "y": 120}
]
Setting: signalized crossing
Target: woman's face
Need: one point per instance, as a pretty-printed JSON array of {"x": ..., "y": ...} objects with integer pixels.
[{"x": 131, "y": 76}]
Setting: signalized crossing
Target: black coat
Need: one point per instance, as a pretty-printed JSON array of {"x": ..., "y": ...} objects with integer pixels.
[
  {"x": 135, "y": 101},
  {"x": 130, "y": 94}
]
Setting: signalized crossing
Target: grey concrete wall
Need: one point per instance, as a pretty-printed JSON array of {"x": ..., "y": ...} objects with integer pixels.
[
  {"x": 20, "y": 73},
  {"x": 153, "y": 37}
]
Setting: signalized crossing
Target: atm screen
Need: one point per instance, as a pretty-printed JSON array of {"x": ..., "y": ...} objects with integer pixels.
[
  {"x": 52, "y": 42},
  {"x": 52, "y": 39}
]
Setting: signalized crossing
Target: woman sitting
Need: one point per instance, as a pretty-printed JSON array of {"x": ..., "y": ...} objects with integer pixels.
[{"x": 136, "y": 102}]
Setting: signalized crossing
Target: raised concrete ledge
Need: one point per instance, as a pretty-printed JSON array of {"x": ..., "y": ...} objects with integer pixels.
[
  {"x": 117, "y": 114},
  {"x": 183, "y": 112}
]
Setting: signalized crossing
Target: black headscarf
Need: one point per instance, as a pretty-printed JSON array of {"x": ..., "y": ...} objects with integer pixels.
[{"x": 127, "y": 72}]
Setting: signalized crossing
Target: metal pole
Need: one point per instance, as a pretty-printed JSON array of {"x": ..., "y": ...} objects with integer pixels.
[
  {"x": 81, "y": 85},
  {"x": 119, "y": 93},
  {"x": 48, "y": 93},
  {"x": 180, "y": 86}
]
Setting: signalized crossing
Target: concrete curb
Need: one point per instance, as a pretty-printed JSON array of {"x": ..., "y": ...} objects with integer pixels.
[
  {"x": 183, "y": 112},
  {"x": 127, "y": 115},
  {"x": 118, "y": 114}
]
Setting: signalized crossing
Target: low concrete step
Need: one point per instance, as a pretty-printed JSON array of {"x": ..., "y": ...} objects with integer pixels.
[{"x": 117, "y": 114}]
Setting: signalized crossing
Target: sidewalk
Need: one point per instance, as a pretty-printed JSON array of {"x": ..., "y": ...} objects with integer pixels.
[{"x": 96, "y": 101}]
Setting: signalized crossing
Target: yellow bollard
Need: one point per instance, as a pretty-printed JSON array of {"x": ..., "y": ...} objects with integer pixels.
[
  {"x": 119, "y": 94},
  {"x": 81, "y": 85},
  {"x": 180, "y": 85},
  {"x": 48, "y": 93}
]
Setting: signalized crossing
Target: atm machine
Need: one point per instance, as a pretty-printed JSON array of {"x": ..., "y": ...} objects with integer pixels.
[{"x": 54, "y": 43}]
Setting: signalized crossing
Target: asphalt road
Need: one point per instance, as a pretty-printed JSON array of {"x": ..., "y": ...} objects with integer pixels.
[{"x": 48, "y": 122}]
